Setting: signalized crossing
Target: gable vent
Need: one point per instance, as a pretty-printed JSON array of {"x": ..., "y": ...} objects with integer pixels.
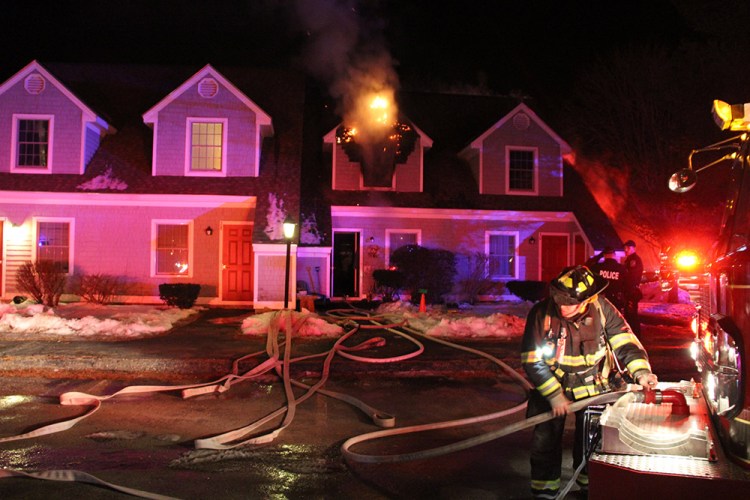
[
  {"x": 208, "y": 87},
  {"x": 521, "y": 121},
  {"x": 34, "y": 84}
]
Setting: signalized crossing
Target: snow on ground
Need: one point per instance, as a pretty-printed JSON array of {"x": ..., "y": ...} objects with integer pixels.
[
  {"x": 87, "y": 321},
  {"x": 82, "y": 321}
]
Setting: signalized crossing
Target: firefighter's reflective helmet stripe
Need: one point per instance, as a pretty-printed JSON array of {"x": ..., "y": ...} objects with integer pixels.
[
  {"x": 540, "y": 484},
  {"x": 619, "y": 340},
  {"x": 638, "y": 364},
  {"x": 586, "y": 282},
  {"x": 576, "y": 285},
  {"x": 550, "y": 386}
]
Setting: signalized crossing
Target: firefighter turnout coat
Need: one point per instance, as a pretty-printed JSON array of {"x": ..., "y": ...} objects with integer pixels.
[{"x": 574, "y": 356}]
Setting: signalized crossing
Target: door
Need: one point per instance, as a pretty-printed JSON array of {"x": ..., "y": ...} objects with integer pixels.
[
  {"x": 346, "y": 264},
  {"x": 237, "y": 262},
  {"x": 554, "y": 249}
]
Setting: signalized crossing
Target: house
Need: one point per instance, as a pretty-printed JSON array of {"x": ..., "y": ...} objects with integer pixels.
[
  {"x": 485, "y": 174},
  {"x": 151, "y": 174},
  {"x": 158, "y": 174}
]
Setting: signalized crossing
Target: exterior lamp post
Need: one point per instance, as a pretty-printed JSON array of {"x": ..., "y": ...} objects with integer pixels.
[{"x": 289, "y": 227}]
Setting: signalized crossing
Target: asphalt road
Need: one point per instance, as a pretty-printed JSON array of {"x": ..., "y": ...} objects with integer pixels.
[{"x": 147, "y": 441}]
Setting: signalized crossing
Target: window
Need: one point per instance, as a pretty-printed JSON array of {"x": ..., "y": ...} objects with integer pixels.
[
  {"x": 33, "y": 139},
  {"x": 172, "y": 252},
  {"x": 501, "y": 252},
  {"x": 53, "y": 243},
  {"x": 396, "y": 238},
  {"x": 521, "y": 165},
  {"x": 206, "y": 140}
]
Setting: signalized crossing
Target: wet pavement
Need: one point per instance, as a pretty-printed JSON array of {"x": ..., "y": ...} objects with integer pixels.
[{"x": 147, "y": 441}]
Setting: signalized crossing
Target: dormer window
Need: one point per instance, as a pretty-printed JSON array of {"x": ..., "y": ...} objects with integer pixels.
[
  {"x": 522, "y": 170},
  {"x": 206, "y": 146},
  {"x": 32, "y": 143}
]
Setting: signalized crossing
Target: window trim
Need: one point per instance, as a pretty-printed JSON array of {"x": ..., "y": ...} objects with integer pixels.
[
  {"x": 189, "y": 143},
  {"x": 71, "y": 240},
  {"x": 155, "y": 223},
  {"x": 389, "y": 232},
  {"x": 14, "y": 167},
  {"x": 535, "y": 189},
  {"x": 516, "y": 254}
]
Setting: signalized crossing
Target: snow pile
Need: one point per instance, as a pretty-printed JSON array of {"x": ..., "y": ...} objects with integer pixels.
[
  {"x": 82, "y": 321},
  {"x": 314, "y": 326},
  {"x": 103, "y": 181},
  {"x": 37, "y": 322},
  {"x": 465, "y": 324}
]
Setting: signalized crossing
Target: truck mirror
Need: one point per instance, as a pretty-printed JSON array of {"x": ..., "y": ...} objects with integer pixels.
[{"x": 682, "y": 181}]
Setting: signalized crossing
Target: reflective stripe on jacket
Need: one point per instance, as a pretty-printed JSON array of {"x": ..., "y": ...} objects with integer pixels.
[{"x": 577, "y": 370}]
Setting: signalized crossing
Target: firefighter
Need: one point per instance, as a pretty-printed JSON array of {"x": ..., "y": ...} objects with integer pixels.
[
  {"x": 632, "y": 285},
  {"x": 613, "y": 272},
  {"x": 567, "y": 349}
]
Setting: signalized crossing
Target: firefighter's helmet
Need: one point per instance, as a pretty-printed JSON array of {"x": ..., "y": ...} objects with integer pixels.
[{"x": 575, "y": 285}]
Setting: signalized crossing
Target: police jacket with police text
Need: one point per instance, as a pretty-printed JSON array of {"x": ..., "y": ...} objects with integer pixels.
[{"x": 559, "y": 355}]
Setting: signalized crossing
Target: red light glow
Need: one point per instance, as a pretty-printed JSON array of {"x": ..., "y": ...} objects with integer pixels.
[{"x": 686, "y": 260}]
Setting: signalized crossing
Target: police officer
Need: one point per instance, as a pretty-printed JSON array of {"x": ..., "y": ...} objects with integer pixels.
[
  {"x": 613, "y": 272},
  {"x": 632, "y": 285},
  {"x": 564, "y": 346}
]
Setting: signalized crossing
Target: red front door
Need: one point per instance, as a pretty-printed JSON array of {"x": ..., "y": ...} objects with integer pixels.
[
  {"x": 554, "y": 255},
  {"x": 237, "y": 262}
]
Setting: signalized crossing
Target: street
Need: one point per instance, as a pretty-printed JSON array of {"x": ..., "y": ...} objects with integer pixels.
[{"x": 146, "y": 441}]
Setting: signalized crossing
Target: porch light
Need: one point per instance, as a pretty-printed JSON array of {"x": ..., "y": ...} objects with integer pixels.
[
  {"x": 209, "y": 231},
  {"x": 289, "y": 227}
]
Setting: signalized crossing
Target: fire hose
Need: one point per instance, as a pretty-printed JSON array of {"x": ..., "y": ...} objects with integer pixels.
[{"x": 281, "y": 365}]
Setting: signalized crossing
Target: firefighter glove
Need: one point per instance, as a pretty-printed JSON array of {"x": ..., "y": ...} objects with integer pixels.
[
  {"x": 647, "y": 380},
  {"x": 560, "y": 405}
]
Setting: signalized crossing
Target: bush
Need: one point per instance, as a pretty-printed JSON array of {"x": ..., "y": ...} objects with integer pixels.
[
  {"x": 533, "y": 291},
  {"x": 477, "y": 281},
  {"x": 387, "y": 282},
  {"x": 182, "y": 295},
  {"x": 426, "y": 269},
  {"x": 43, "y": 280},
  {"x": 98, "y": 288}
]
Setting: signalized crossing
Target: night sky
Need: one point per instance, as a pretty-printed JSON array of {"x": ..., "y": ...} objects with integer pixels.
[{"x": 532, "y": 46}]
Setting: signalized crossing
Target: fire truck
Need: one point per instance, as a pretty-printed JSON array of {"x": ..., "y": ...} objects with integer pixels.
[{"x": 698, "y": 445}]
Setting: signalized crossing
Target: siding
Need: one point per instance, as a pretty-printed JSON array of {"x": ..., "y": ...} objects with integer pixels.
[
  {"x": 66, "y": 147},
  {"x": 549, "y": 158},
  {"x": 116, "y": 239},
  {"x": 241, "y": 148}
]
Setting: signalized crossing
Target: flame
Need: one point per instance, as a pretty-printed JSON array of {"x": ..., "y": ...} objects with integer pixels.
[{"x": 379, "y": 106}]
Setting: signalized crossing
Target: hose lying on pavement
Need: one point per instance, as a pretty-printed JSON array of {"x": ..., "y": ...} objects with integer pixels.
[{"x": 281, "y": 364}]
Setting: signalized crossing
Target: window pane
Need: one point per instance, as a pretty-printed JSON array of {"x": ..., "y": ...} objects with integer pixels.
[
  {"x": 206, "y": 147},
  {"x": 53, "y": 243},
  {"x": 502, "y": 256},
  {"x": 33, "y": 143},
  {"x": 397, "y": 240},
  {"x": 172, "y": 253},
  {"x": 521, "y": 170}
]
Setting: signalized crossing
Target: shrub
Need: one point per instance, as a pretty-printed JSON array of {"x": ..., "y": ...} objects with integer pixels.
[
  {"x": 182, "y": 295},
  {"x": 477, "y": 281},
  {"x": 98, "y": 288},
  {"x": 533, "y": 291},
  {"x": 43, "y": 280},
  {"x": 426, "y": 269},
  {"x": 388, "y": 282}
]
